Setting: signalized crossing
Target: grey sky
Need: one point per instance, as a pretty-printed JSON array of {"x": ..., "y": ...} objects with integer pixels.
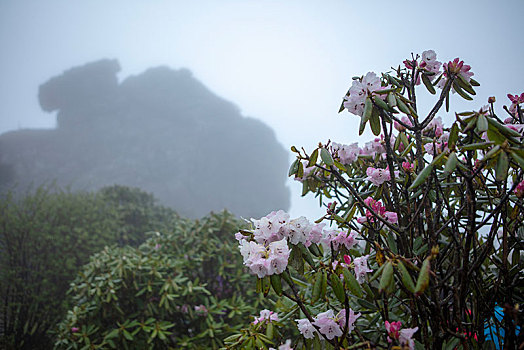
[{"x": 287, "y": 63}]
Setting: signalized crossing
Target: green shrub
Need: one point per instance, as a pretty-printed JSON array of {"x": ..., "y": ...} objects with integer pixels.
[
  {"x": 184, "y": 289},
  {"x": 46, "y": 237}
]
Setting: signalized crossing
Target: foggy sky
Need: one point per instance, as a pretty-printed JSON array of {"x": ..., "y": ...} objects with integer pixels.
[{"x": 287, "y": 63}]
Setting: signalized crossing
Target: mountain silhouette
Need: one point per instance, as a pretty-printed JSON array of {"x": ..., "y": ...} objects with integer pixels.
[{"x": 162, "y": 131}]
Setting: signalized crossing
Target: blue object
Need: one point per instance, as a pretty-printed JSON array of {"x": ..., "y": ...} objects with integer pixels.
[{"x": 491, "y": 332}]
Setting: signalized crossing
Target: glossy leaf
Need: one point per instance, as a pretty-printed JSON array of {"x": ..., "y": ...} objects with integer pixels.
[{"x": 421, "y": 177}]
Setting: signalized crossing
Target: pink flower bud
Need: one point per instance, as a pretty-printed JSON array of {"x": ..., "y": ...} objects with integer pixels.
[
  {"x": 519, "y": 191},
  {"x": 75, "y": 329}
]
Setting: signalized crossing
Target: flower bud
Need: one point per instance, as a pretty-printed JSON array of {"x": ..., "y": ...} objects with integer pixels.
[
  {"x": 491, "y": 99},
  {"x": 519, "y": 191}
]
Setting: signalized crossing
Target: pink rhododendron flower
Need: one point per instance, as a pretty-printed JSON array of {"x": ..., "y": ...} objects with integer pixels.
[
  {"x": 347, "y": 259},
  {"x": 201, "y": 310},
  {"x": 379, "y": 176},
  {"x": 306, "y": 328},
  {"x": 285, "y": 346},
  {"x": 361, "y": 268},
  {"x": 401, "y": 127},
  {"x": 379, "y": 209},
  {"x": 405, "y": 337},
  {"x": 270, "y": 228},
  {"x": 266, "y": 316},
  {"x": 327, "y": 324},
  {"x": 315, "y": 235},
  {"x": 298, "y": 230},
  {"x": 391, "y": 217},
  {"x": 358, "y": 92},
  {"x": 435, "y": 128},
  {"x": 516, "y": 98},
  {"x": 519, "y": 190},
  {"x": 408, "y": 167},
  {"x": 458, "y": 66},
  {"x": 372, "y": 148},
  {"x": 346, "y": 153},
  {"x": 430, "y": 63},
  {"x": 393, "y": 329},
  {"x": 344, "y": 238},
  {"x": 265, "y": 261},
  {"x": 352, "y": 317}
]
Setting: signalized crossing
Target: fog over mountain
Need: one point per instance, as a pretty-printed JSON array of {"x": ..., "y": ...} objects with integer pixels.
[{"x": 162, "y": 131}]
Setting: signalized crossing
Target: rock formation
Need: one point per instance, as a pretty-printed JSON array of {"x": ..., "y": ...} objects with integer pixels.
[{"x": 162, "y": 131}]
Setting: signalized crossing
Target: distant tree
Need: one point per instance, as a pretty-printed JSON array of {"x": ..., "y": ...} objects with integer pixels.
[
  {"x": 185, "y": 288},
  {"x": 46, "y": 236}
]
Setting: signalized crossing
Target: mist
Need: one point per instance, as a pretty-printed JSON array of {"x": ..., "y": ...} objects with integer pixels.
[{"x": 287, "y": 64}]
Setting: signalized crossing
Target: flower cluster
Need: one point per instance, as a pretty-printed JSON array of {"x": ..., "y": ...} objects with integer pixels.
[
  {"x": 378, "y": 176},
  {"x": 403, "y": 336},
  {"x": 328, "y": 324},
  {"x": 379, "y": 209},
  {"x": 359, "y": 91},
  {"x": 266, "y": 316},
  {"x": 361, "y": 268},
  {"x": 268, "y": 252},
  {"x": 285, "y": 346},
  {"x": 265, "y": 260},
  {"x": 515, "y": 101}
]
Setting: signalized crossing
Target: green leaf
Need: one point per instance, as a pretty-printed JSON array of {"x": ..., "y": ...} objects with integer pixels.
[
  {"x": 465, "y": 85},
  {"x": 504, "y": 130},
  {"x": 276, "y": 283},
  {"x": 337, "y": 287},
  {"x": 495, "y": 136},
  {"x": 402, "y": 106},
  {"x": 266, "y": 285},
  {"x": 305, "y": 254},
  {"x": 300, "y": 171},
  {"x": 518, "y": 158},
  {"x": 421, "y": 177},
  {"x": 474, "y": 82},
  {"x": 269, "y": 330},
  {"x": 351, "y": 283},
  {"x": 423, "y": 277},
  {"x": 475, "y": 146},
  {"x": 461, "y": 92},
  {"x": 482, "y": 123},
  {"x": 428, "y": 84},
  {"x": 326, "y": 157},
  {"x": 406, "y": 277},
  {"x": 127, "y": 335},
  {"x": 296, "y": 261},
  {"x": 381, "y": 104},
  {"x": 323, "y": 285},
  {"x": 387, "y": 276},
  {"x": 305, "y": 187},
  {"x": 453, "y": 135},
  {"x": 313, "y": 248},
  {"x": 501, "y": 170},
  {"x": 451, "y": 164},
  {"x": 392, "y": 101},
  {"x": 313, "y": 158},
  {"x": 317, "y": 287},
  {"x": 294, "y": 167},
  {"x": 392, "y": 243},
  {"x": 491, "y": 153},
  {"x": 374, "y": 122}
]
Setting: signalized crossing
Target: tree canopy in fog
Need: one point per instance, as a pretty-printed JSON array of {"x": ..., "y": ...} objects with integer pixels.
[{"x": 162, "y": 131}]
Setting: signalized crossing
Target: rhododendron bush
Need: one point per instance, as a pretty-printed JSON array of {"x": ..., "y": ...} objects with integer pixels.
[{"x": 420, "y": 245}]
